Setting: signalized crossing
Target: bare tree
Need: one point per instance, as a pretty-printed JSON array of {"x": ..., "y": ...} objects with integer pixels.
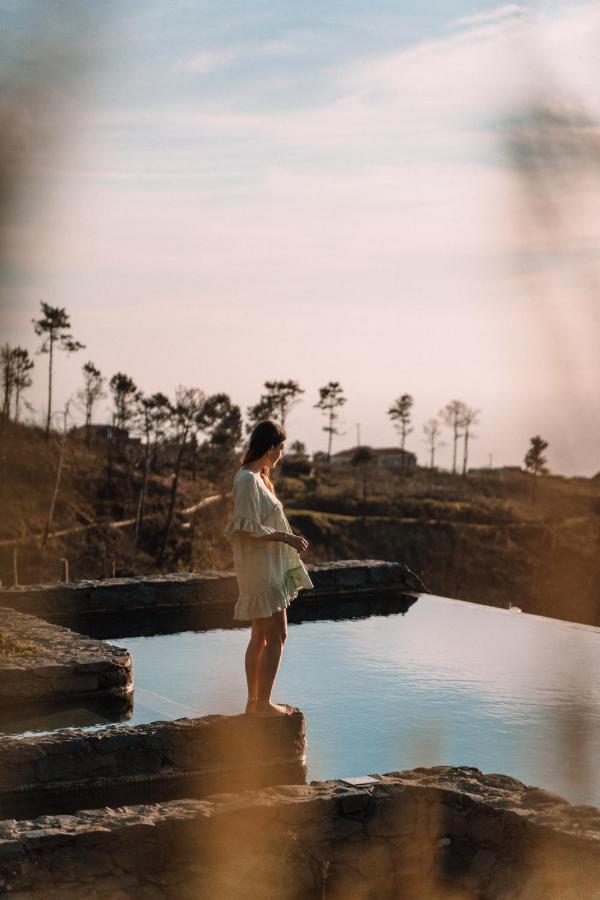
[
  {"x": 432, "y": 430},
  {"x": 330, "y": 399},
  {"x": 452, "y": 416},
  {"x": 186, "y": 411},
  {"x": 468, "y": 420},
  {"x": 55, "y": 328},
  {"x": 399, "y": 413},
  {"x": 535, "y": 462},
  {"x": 92, "y": 391}
]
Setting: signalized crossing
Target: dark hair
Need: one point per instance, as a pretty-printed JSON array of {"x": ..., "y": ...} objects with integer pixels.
[{"x": 266, "y": 434}]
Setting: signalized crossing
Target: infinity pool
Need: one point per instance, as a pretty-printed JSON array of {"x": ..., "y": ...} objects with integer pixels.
[{"x": 446, "y": 683}]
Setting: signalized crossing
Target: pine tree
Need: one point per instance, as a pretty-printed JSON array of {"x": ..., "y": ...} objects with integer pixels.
[
  {"x": 331, "y": 397},
  {"x": 55, "y": 328}
]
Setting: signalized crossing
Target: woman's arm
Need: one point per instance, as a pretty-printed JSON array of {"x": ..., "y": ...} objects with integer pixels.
[{"x": 293, "y": 540}]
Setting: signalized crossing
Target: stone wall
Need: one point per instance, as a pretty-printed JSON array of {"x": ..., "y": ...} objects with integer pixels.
[
  {"x": 442, "y": 832},
  {"x": 144, "y": 763},
  {"x": 67, "y": 664},
  {"x": 336, "y": 581}
]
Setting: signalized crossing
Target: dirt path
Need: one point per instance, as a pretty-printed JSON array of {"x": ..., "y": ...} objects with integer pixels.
[{"x": 121, "y": 523}]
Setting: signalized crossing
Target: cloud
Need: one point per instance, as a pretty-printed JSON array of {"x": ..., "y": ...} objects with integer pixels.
[
  {"x": 382, "y": 206},
  {"x": 203, "y": 63},
  {"x": 509, "y": 10}
]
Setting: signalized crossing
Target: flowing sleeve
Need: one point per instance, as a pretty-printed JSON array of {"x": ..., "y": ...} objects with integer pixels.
[{"x": 246, "y": 509}]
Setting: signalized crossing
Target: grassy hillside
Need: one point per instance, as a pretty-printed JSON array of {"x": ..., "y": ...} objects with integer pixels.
[
  {"x": 93, "y": 523},
  {"x": 478, "y": 538}
]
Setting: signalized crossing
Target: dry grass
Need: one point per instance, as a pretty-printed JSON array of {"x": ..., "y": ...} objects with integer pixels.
[{"x": 10, "y": 647}]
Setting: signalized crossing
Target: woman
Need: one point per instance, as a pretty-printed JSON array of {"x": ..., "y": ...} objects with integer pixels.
[{"x": 267, "y": 565}]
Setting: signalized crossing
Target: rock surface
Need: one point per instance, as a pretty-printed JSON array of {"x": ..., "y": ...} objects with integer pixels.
[
  {"x": 343, "y": 579},
  {"x": 161, "y": 760},
  {"x": 68, "y": 663},
  {"x": 425, "y": 833}
]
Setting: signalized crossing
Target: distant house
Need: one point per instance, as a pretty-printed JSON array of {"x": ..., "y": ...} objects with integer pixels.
[{"x": 393, "y": 457}]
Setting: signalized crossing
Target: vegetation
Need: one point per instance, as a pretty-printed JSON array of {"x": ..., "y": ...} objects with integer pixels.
[
  {"x": 276, "y": 402},
  {"x": 477, "y": 539},
  {"x": 535, "y": 462},
  {"x": 331, "y": 397},
  {"x": 54, "y": 327},
  {"x": 150, "y": 493},
  {"x": 88, "y": 396},
  {"x": 432, "y": 431},
  {"x": 399, "y": 413},
  {"x": 15, "y": 366},
  {"x": 10, "y": 647}
]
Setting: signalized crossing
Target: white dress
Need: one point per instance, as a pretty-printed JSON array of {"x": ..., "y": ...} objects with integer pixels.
[{"x": 269, "y": 573}]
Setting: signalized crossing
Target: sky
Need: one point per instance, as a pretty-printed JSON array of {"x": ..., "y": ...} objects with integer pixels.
[{"x": 402, "y": 198}]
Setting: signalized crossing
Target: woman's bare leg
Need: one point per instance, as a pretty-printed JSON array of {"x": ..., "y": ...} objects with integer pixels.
[
  {"x": 254, "y": 650},
  {"x": 275, "y": 633}
]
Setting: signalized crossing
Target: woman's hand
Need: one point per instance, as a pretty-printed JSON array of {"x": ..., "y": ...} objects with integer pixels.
[{"x": 297, "y": 542}]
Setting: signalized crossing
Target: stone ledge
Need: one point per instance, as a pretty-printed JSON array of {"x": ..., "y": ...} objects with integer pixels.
[
  {"x": 423, "y": 833},
  {"x": 208, "y": 589},
  {"x": 160, "y": 760},
  {"x": 68, "y": 664}
]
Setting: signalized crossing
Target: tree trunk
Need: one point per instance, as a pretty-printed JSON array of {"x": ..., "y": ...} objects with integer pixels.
[
  {"x": 50, "y": 353},
  {"x": 61, "y": 455},
  {"x": 17, "y": 401},
  {"x": 142, "y": 501},
  {"x": 174, "y": 485},
  {"x": 466, "y": 452},
  {"x": 533, "y": 487},
  {"x": 330, "y": 435},
  {"x": 454, "y": 453},
  {"x": 88, "y": 422},
  {"x": 8, "y": 384}
]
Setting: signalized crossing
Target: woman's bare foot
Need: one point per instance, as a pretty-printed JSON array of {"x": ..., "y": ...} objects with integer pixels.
[{"x": 266, "y": 710}]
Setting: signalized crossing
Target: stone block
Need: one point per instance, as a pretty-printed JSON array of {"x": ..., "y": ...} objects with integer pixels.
[
  {"x": 139, "y": 761},
  {"x": 72, "y": 767},
  {"x": 16, "y": 776},
  {"x": 354, "y": 804}
]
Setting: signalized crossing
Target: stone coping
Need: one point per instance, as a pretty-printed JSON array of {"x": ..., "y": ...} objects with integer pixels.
[
  {"x": 421, "y": 833},
  {"x": 67, "y": 664},
  {"x": 344, "y": 578},
  {"x": 112, "y": 765}
]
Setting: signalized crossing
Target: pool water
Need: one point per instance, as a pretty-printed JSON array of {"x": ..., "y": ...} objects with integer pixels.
[{"x": 448, "y": 683}]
